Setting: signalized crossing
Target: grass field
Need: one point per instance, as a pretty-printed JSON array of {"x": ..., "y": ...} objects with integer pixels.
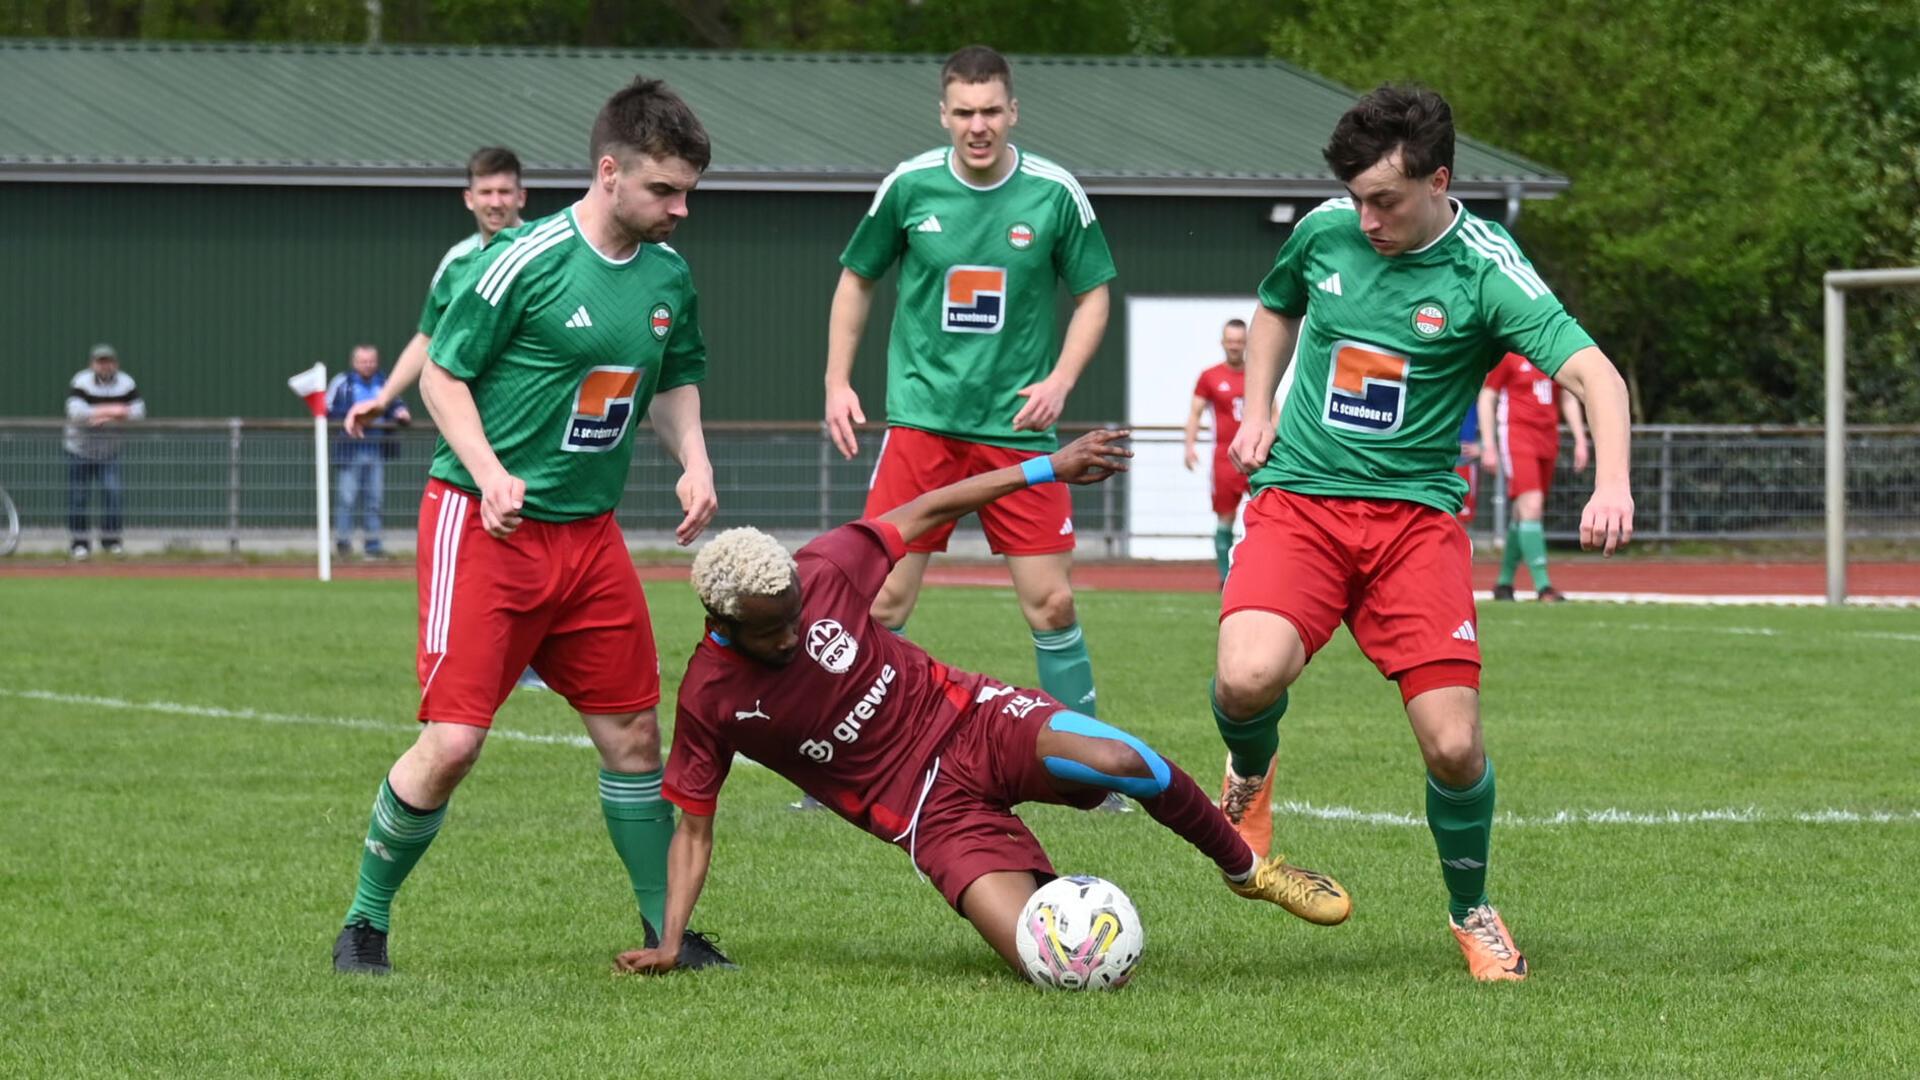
[{"x": 1710, "y": 849}]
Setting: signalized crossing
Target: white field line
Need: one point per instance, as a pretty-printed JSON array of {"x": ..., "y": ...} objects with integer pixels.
[
  {"x": 1347, "y": 814},
  {"x": 1728, "y": 600},
  {"x": 1753, "y": 631}
]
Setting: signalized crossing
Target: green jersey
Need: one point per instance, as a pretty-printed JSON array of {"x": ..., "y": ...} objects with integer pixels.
[
  {"x": 440, "y": 289},
  {"x": 974, "y": 322},
  {"x": 1392, "y": 352},
  {"x": 564, "y": 349}
]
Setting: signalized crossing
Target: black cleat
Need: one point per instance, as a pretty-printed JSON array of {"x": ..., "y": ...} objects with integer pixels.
[
  {"x": 361, "y": 950},
  {"x": 1551, "y": 595},
  {"x": 697, "y": 950},
  {"x": 1503, "y": 592}
]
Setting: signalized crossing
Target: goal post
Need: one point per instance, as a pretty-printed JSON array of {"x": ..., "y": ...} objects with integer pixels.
[{"x": 1838, "y": 283}]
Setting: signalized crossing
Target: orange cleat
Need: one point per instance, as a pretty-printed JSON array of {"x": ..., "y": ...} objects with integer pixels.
[
  {"x": 1248, "y": 804},
  {"x": 1491, "y": 954}
]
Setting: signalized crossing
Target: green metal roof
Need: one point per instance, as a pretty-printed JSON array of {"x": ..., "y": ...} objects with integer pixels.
[{"x": 156, "y": 112}]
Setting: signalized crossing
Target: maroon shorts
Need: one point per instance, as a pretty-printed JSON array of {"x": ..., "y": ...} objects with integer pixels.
[
  {"x": 1229, "y": 487},
  {"x": 563, "y": 597},
  {"x": 967, "y": 827},
  {"x": 1031, "y": 521},
  {"x": 1399, "y": 574},
  {"x": 1529, "y": 472}
]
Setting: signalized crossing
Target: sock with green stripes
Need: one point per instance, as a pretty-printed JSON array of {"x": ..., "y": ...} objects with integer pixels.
[
  {"x": 1533, "y": 548},
  {"x": 1223, "y": 549},
  {"x": 641, "y": 824},
  {"x": 1462, "y": 827},
  {"x": 396, "y": 838},
  {"x": 1250, "y": 743},
  {"x": 1066, "y": 671},
  {"x": 1510, "y": 555}
]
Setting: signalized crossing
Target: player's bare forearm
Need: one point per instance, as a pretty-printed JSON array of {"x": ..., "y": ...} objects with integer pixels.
[
  {"x": 676, "y": 421},
  {"x": 1592, "y": 377},
  {"x": 1575, "y": 417},
  {"x": 1087, "y": 460},
  {"x": 1084, "y": 331},
  {"x": 1483, "y": 405},
  {"x": 406, "y": 370},
  {"x": 846, "y": 322},
  {"x": 1270, "y": 341},
  {"x": 450, "y": 403},
  {"x": 688, "y": 859}
]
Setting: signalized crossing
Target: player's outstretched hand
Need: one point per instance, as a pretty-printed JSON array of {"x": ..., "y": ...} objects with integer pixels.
[
  {"x": 500, "y": 502},
  {"x": 698, "y": 499},
  {"x": 1046, "y": 400},
  {"x": 655, "y": 961},
  {"x": 1607, "y": 522},
  {"x": 1248, "y": 450},
  {"x": 359, "y": 415},
  {"x": 1092, "y": 457},
  {"x": 843, "y": 411}
]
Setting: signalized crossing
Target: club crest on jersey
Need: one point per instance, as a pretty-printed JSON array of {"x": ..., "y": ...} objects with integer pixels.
[
  {"x": 602, "y": 410},
  {"x": 1429, "y": 319},
  {"x": 1020, "y": 236},
  {"x": 831, "y": 646},
  {"x": 660, "y": 321},
  {"x": 975, "y": 301},
  {"x": 1366, "y": 389}
]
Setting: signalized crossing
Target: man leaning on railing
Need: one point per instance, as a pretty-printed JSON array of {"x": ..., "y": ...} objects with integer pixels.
[{"x": 100, "y": 398}]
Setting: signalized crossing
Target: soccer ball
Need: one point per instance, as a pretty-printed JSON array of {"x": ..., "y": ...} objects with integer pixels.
[{"x": 1079, "y": 933}]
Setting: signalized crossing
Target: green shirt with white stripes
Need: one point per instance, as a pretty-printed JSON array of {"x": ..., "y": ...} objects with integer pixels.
[
  {"x": 564, "y": 349},
  {"x": 1392, "y": 351},
  {"x": 974, "y": 322}
]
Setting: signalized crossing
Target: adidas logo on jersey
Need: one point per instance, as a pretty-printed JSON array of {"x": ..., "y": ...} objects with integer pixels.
[
  {"x": 1465, "y": 633},
  {"x": 932, "y": 224},
  {"x": 1330, "y": 284},
  {"x": 579, "y": 318}
]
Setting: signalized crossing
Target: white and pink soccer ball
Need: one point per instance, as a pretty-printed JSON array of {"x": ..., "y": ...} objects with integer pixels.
[{"x": 1079, "y": 933}]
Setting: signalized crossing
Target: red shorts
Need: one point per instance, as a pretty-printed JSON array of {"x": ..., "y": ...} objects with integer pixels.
[
  {"x": 967, "y": 828},
  {"x": 1031, "y": 521},
  {"x": 1470, "y": 472},
  {"x": 562, "y": 597},
  {"x": 1399, "y": 574},
  {"x": 1229, "y": 487},
  {"x": 1529, "y": 472}
]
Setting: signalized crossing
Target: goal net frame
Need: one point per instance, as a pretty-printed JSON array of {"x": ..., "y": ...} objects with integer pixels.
[{"x": 1837, "y": 284}]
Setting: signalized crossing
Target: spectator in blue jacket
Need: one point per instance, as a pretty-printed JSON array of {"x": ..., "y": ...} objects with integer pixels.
[{"x": 361, "y": 462}]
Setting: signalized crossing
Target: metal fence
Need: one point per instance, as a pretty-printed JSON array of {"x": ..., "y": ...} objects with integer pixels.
[{"x": 247, "y": 485}]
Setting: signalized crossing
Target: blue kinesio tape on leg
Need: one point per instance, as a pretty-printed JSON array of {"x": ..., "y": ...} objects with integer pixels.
[
  {"x": 1039, "y": 470},
  {"x": 1139, "y": 787}
]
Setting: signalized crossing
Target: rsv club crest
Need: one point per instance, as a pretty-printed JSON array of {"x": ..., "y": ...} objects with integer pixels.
[{"x": 831, "y": 646}]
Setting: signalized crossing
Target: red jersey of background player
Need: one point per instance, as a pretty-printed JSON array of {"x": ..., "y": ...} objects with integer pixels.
[
  {"x": 855, "y": 720},
  {"x": 1527, "y": 414},
  {"x": 1224, "y": 388}
]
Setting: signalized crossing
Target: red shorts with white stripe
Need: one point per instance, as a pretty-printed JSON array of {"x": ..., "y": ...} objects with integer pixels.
[
  {"x": 562, "y": 597},
  {"x": 1229, "y": 487},
  {"x": 1399, "y": 574},
  {"x": 1529, "y": 472},
  {"x": 1031, "y": 521}
]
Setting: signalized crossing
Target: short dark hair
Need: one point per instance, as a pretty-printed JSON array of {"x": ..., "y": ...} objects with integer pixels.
[
  {"x": 646, "y": 116},
  {"x": 1231, "y": 323},
  {"x": 492, "y": 161},
  {"x": 1412, "y": 119},
  {"x": 976, "y": 64}
]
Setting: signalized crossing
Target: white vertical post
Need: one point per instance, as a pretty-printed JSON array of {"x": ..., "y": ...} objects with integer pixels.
[
  {"x": 320, "y": 491},
  {"x": 1836, "y": 388}
]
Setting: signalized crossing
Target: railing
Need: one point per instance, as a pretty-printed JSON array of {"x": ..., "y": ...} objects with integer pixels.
[{"x": 247, "y": 485}]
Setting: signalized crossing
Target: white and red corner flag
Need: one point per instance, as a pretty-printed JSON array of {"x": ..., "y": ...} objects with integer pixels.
[{"x": 311, "y": 384}]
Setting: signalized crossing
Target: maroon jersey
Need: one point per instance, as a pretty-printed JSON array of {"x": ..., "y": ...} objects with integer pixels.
[
  {"x": 1526, "y": 417},
  {"x": 855, "y": 720},
  {"x": 1226, "y": 390}
]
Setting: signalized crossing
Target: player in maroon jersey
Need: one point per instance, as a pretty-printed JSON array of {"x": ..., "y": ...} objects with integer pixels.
[
  {"x": 1222, "y": 388},
  {"x": 794, "y": 673},
  {"x": 1520, "y": 408}
]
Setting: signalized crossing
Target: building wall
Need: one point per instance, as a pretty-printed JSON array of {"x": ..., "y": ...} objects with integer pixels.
[{"x": 215, "y": 294}]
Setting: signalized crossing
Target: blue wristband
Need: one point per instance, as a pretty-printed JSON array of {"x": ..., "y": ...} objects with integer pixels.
[{"x": 1039, "y": 470}]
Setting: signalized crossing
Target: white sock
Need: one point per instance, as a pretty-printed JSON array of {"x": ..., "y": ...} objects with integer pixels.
[{"x": 1246, "y": 875}]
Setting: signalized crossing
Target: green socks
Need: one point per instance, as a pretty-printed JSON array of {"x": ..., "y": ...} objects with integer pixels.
[
  {"x": 1066, "y": 671},
  {"x": 396, "y": 838},
  {"x": 1510, "y": 554},
  {"x": 1252, "y": 743},
  {"x": 1533, "y": 548},
  {"x": 1462, "y": 826},
  {"x": 1223, "y": 549},
  {"x": 641, "y": 824}
]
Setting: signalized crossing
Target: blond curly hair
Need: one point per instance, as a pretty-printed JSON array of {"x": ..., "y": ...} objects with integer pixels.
[{"x": 740, "y": 563}]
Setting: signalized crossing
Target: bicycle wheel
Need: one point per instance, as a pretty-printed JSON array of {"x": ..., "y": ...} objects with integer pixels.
[{"x": 9, "y": 524}]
